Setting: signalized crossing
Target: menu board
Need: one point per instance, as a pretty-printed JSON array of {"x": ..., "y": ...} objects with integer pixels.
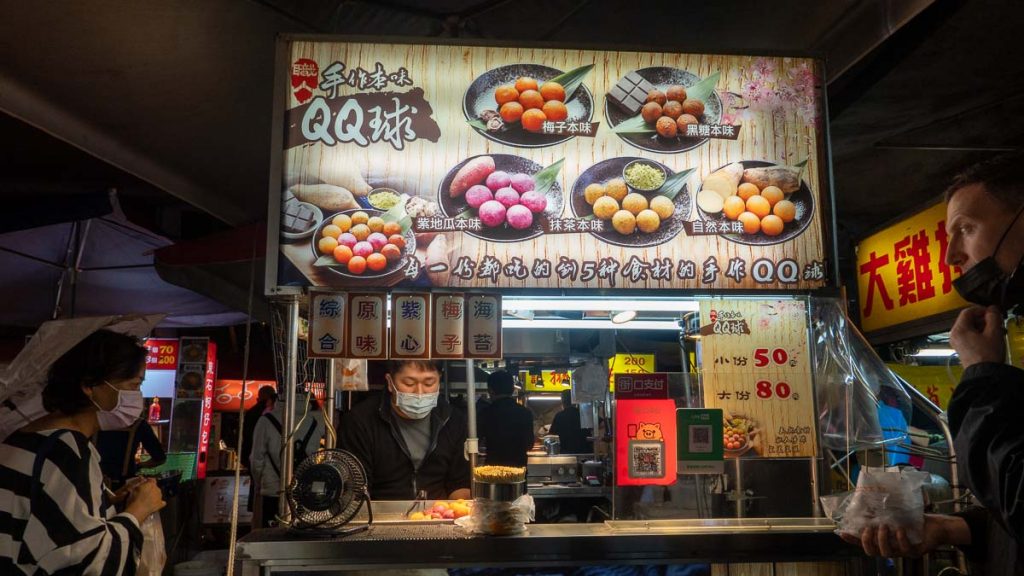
[
  {"x": 756, "y": 367},
  {"x": 450, "y": 166}
]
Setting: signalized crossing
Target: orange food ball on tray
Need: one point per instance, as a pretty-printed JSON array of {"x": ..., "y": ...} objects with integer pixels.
[
  {"x": 746, "y": 190},
  {"x": 533, "y": 120},
  {"x": 357, "y": 265},
  {"x": 505, "y": 94},
  {"x": 398, "y": 240},
  {"x": 772, "y": 225},
  {"x": 376, "y": 262},
  {"x": 531, "y": 99},
  {"x": 786, "y": 210},
  {"x": 759, "y": 205},
  {"x": 392, "y": 228},
  {"x": 751, "y": 223},
  {"x": 553, "y": 91},
  {"x": 342, "y": 254},
  {"x": 524, "y": 83},
  {"x": 773, "y": 194},
  {"x": 733, "y": 207},
  {"x": 511, "y": 112},
  {"x": 555, "y": 111}
]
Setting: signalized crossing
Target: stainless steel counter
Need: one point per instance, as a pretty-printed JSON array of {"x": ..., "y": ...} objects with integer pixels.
[
  {"x": 417, "y": 545},
  {"x": 565, "y": 491}
]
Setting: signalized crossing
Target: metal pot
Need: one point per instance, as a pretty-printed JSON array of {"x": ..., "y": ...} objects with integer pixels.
[
  {"x": 552, "y": 445},
  {"x": 505, "y": 492}
]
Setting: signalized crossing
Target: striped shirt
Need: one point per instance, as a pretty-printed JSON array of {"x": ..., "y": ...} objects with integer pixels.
[{"x": 67, "y": 528}]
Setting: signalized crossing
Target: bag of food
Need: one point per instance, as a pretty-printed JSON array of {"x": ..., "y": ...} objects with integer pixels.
[
  {"x": 498, "y": 518},
  {"x": 154, "y": 555},
  {"x": 890, "y": 497}
]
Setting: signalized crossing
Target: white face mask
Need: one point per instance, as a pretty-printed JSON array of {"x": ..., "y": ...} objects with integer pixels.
[
  {"x": 415, "y": 406},
  {"x": 129, "y": 406}
]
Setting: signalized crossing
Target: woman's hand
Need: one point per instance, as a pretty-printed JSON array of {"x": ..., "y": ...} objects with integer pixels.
[{"x": 144, "y": 498}]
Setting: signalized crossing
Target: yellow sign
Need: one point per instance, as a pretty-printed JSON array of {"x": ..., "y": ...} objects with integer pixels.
[
  {"x": 902, "y": 274},
  {"x": 756, "y": 367},
  {"x": 935, "y": 382},
  {"x": 629, "y": 364},
  {"x": 548, "y": 381}
]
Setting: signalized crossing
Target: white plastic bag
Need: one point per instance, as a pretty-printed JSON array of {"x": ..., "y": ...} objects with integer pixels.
[
  {"x": 495, "y": 518},
  {"x": 154, "y": 554},
  {"x": 884, "y": 497}
]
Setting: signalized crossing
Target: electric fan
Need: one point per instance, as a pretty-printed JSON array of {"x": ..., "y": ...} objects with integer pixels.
[{"x": 327, "y": 491}]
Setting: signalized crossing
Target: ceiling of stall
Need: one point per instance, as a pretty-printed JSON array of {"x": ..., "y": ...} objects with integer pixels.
[{"x": 170, "y": 102}]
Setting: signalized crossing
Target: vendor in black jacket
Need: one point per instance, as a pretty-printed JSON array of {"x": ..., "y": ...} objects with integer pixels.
[
  {"x": 406, "y": 440},
  {"x": 986, "y": 240}
]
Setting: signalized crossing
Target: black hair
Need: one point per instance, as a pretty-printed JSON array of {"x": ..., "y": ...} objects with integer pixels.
[
  {"x": 999, "y": 177},
  {"x": 567, "y": 397},
  {"x": 501, "y": 382},
  {"x": 266, "y": 393},
  {"x": 101, "y": 356},
  {"x": 396, "y": 366}
]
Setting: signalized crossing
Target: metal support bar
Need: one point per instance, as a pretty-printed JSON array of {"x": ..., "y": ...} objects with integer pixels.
[
  {"x": 330, "y": 440},
  {"x": 472, "y": 447},
  {"x": 291, "y": 370}
]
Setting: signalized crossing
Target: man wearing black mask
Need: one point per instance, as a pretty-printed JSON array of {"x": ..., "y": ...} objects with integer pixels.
[{"x": 986, "y": 240}]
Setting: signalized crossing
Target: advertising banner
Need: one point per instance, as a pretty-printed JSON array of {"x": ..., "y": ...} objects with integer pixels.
[
  {"x": 645, "y": 442},
  {"x": 902, "y": 273},
  {"x": 449, "y": 166},
  {"x": 756, "y": 367}
]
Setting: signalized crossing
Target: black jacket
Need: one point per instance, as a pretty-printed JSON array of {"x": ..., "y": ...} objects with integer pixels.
[
  {"x": 506, "y": 428},
  {"x": 571, "y": 438},
  {"x": 369, "y": 431},
  {"x": 990, "y": 457}
]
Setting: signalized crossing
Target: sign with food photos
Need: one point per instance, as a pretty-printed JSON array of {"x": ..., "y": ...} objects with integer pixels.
[
  {"x": 902, "y": 275},
  {"x": 443, "y": 166},
  {"x": 326, "y": 324},
  {"x": 756, "y": 367},
  {"x": 645, "y": 442}
]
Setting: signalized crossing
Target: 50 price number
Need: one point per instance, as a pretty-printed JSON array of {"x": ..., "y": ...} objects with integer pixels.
[
  {"x": 764, "y": 357},
  {"x": 767, "y": 390}
]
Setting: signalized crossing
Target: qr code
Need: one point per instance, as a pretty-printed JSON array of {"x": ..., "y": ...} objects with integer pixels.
[
  {"x": 700, "y": 439},
  {"x": 646, "y": 459}
]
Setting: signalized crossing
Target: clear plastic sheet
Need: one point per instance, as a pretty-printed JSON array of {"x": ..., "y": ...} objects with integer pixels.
[
  {"x": 499, "y": 518},
  {"x": 850, "y": 381}
]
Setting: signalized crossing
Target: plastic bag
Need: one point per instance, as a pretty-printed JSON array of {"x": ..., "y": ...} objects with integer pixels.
[
  {"x": 884, "y": 496},
  {"x": 849, "y": 378},
  {"x": 496, "y": 518},
  {"x": 154, "y": 554}
]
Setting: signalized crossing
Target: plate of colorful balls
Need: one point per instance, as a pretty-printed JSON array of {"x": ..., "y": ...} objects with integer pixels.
[
  {"x": 509, "y": 196},
  {"x": 652, "y": 108},
  {"x": 510, "y": 104},
  {"x": 642, "y": 202},
  {"x": 771, "y": 201},
  {"x": 364, "y": 244}
]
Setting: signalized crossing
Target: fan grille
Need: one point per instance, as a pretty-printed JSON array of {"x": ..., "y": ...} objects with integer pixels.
[{"x": 327, "y": 491}]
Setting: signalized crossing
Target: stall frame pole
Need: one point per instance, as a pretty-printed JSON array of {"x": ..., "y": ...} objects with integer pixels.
[
  {"x": 330, "y": 439},
  {"x": 291, "y": 375},
  {"x": 472, "y": 442}
]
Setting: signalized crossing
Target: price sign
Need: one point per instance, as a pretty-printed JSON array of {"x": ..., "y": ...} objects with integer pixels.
[
  {"x": 161, "y": 354},
  {"x": 755, "y": 366},
  {"x": 629, "y": 364}
]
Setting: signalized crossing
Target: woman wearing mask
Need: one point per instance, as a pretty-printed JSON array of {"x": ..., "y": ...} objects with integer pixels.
[
  {"x": 50, "y": 480},
  {"x": 408, "y": 441}
]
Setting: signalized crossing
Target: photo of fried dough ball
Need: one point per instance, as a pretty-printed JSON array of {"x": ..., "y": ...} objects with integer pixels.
[
  {"x": 648, "y": 221},
  {"x": 676, "y": 92},
  {"x": 663, "y": 207},
  {"x": 651, "y": 112},
  {"x": 616, "y": 188},
  {"x": 605, "y": 207},
  {"x": 672, "y": 109},
  {"x": 593, "y": 192},
  {"x": 693, "y": 107},
  {"x": 624, "y": 222},
  {"x": 666, "y": 127},
  {"x": 657, "y": 96},
  {"x": 634, "y": 203}
]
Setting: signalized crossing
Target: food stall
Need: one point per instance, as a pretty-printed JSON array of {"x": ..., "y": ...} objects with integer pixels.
[{"x": 557, "y": 206}]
